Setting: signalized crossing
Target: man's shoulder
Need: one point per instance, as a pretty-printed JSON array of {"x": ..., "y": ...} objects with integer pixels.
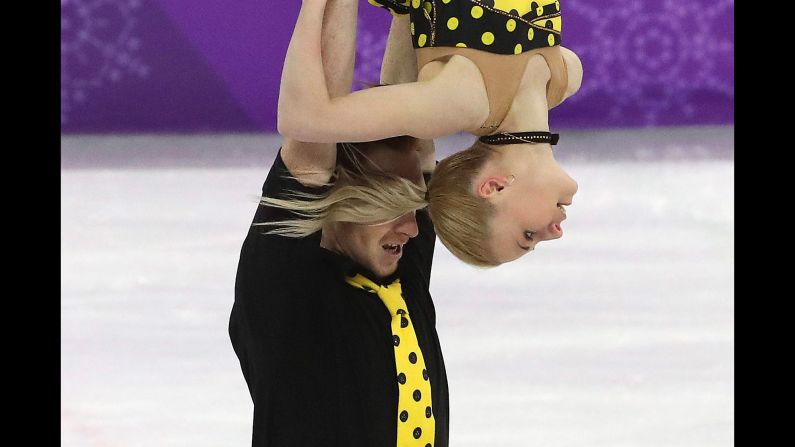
[
  {"x": 281, "y": 178},
  {"x": 283, "y": 284}
]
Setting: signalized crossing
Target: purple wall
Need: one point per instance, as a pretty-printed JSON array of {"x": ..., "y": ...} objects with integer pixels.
[{"x": 214, "y": 65}]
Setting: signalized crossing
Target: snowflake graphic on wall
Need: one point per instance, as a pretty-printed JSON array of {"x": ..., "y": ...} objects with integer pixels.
[
  {"x": 98, "y": 48},
  {"x": 648, "y": 56}
]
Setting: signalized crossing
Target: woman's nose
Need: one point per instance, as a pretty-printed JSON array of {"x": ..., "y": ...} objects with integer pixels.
[{"x": 568, "y": 190}]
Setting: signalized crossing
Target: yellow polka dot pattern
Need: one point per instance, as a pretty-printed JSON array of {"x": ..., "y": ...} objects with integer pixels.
[
  {"x": 556, "y": 23},
  {"x": 522, "y": 7},
  {"x": 422, "y": 40},
  {"x": 416, "y": 424},
  {"x": 510, "y": 25},
  {"x": 496, "y": 26}
]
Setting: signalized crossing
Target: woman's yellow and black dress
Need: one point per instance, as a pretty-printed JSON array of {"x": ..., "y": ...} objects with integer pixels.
[
  {"x": 496, "y": 26},
  {"x": 499, "y": 36}
]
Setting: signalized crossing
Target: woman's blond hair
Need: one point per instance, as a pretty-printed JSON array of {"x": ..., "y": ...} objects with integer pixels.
[
  {"x": 360, "y": 192},
  {"x": 461, "y": 218}
]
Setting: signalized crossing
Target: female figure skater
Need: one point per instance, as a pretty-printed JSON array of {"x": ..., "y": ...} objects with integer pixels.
[{"x": 492, "y": 68}]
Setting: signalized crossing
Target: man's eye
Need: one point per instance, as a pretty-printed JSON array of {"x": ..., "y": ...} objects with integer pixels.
[{"x": 529, "y": 235}]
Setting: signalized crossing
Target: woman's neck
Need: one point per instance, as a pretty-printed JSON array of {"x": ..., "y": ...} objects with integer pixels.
[
  {"x": 529, "y": 110},
  {"x": 512, "y": 156}
]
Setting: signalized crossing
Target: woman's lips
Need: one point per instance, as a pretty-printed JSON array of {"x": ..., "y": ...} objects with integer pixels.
[{"x": 556, "y": 230}]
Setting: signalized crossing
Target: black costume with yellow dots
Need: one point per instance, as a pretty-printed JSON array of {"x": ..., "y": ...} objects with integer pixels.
[
  {"x": 499, "y": 36},
  {"x": 496, "y": 26}
]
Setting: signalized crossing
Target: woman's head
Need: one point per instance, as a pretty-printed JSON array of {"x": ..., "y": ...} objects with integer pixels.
[{"x": 493, "y": 204}]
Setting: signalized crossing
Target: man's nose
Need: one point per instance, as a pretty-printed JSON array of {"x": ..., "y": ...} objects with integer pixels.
[{"x": 407, "y": 224}]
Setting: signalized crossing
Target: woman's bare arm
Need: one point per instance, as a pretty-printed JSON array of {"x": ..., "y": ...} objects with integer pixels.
[{"x": 450, "y": 102}]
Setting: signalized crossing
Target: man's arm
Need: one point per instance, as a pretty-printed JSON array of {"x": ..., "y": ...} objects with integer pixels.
[
  {"x": 400, "y": 66},
  {"x": 313, "y": 163}
]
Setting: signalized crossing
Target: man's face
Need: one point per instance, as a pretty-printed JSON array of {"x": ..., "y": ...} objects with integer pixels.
[{"x": 379, "y": 247}]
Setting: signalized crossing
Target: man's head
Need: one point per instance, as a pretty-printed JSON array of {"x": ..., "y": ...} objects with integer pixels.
[
  {"x": 368, "y": 212},
  {"x": 385, "y": 168},
  {"x": 492, "y": 205}
]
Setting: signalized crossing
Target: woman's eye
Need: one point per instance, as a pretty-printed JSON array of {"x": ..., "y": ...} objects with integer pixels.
[{"x": 529, "y": 235}]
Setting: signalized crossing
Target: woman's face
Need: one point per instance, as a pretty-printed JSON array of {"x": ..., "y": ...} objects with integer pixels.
[{"x": 530, "y": 209}]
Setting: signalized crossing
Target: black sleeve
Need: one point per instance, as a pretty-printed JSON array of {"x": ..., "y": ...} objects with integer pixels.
[
  {"x": 278, "y": 182},
  {"x": 419, "y": 250},
  {"x": 289, "y": 365},
  {"x": 278, "y": 334}
]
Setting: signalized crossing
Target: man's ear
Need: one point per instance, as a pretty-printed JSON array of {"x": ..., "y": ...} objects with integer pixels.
[{"x": 491, "y": 186}]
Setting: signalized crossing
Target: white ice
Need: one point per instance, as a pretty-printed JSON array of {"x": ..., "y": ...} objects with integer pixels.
[{"x": 621, "y": 334}]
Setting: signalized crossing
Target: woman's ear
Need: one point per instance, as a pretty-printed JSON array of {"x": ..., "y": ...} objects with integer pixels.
[{"x": 491, "y": 186}]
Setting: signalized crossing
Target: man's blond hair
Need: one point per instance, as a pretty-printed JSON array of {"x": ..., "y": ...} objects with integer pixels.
[{"x": 360, "y": 192}]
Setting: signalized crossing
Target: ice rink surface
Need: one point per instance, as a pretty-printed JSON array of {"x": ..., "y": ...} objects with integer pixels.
[{"x": 620, "y": 334}]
